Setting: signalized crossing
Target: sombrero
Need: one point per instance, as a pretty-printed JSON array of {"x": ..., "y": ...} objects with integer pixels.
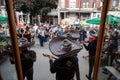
[
  {"x": 64, "y": 47},
  {"x": 94, "y": 33},
  {"x": 71, "y": 34},
  {"x": 23, "y": 42}
]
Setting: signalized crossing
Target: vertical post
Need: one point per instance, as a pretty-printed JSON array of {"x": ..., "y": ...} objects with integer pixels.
[
  {"x": 39, "y": 20},
  {"x": 100, "y": 39},
  {"x": 58, "y": 14},
  {"x": 11, "y": 17},
  {"x": 0, "y": 6},
  {"x": 79, "y": 10},
  {"x": 0, "y": 76}
]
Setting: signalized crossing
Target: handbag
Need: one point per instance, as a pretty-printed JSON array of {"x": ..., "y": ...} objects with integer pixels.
[{"x": 39, "y": 36}]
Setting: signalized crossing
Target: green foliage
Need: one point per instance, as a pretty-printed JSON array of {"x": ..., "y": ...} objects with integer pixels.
[{"x": 35, "y": 7}]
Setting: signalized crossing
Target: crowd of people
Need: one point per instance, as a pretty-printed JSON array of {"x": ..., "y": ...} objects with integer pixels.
[
  {"x": 66, "y": 65},
  {"x": 46, "y": 32}
]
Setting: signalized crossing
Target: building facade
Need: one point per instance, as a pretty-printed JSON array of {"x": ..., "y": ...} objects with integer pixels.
[
  {"x": 2, "y": 8},
  {"x": 81, "y": 10},
  {"x": 75, "y": 10},
  {"x": 78, "y": 10}
]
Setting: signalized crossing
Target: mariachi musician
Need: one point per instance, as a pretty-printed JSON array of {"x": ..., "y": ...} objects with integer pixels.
[
  {"x": 66, "y": 65},
  {"x": 28, "y": 57}
]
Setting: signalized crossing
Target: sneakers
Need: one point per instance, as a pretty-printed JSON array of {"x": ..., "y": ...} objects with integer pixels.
[{"x": 89, "y": 78}]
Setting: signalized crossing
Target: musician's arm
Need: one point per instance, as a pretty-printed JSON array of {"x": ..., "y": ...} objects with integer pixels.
[
  {"x": 52, "y": 66},
  {"x": 12, "y": 60},
  {"x": 33, "y": 55},
  {"x": 86, "y": 47},
  {"x": 85, "y": 57},
  {"x": 77, "y": 69},
  {"x": 52, "y": 63},
  {"x": 34, "y": 59}
]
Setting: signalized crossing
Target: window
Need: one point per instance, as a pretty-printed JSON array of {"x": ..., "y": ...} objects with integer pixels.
[
  {"x": 114, "y": 3},
  {"x": 2, "y": 2},
  {"x": 94, "y": 14},
  {"x": 72, "y": 4},
  {"x": 101, "y": 3},
  {"x": 94, "y": 4},
  {"x": 85, "y": 4},
  {"x": 62, "y": 3}
]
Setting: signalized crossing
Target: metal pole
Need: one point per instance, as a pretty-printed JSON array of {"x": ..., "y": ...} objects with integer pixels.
[
  {"x": 100, "y": 39},
  {"x": 11, "y": 17}
]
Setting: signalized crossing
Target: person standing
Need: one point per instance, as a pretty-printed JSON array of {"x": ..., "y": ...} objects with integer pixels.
[
  {"x": 28, "y": 57},
  {"x": 83, "y": 35},
  {"x": 66, "y": 65},
  {"x": 41, "y": 35},
  {"x": 28, "y": 34},
  {"x": 91, "y": 48},
  {"x": 33, "y": 32}
]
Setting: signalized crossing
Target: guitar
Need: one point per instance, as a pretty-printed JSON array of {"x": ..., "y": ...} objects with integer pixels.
[{"x": 47, "y": 55}]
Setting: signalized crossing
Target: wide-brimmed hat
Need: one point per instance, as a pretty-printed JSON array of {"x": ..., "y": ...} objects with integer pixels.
[
  {"x": 94, "y": 33},
  {"x": 72, "y": 34},
  {"x": 64, "y": 47},
  {"x": 22, "y": 42}
]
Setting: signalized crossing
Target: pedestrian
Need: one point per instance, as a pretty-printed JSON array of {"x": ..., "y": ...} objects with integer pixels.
[
  {"x": 41, "y": 35},
  {"x": 83, "y": 35},
  {"x": 66, "y": 66},
  {"x": 28, "y": 57},
  {"x": 21, "y": 33},
  {"x": 33, "y": 32},
  {"x": 28, "y": 34},
  {"x": 91, "y": 48}
]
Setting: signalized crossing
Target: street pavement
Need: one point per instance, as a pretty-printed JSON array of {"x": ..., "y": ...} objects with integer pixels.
[{"x": 41, "y": 66}]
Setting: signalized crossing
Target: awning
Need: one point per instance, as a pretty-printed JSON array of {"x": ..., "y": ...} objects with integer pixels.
[
  {"x": 3, "y": 19},
  {"x": 93, "y": 21}
]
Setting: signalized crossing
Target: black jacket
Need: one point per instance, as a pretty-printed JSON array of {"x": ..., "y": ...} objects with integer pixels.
[
  {"x": 27, "y": 62},
  {"x": 65, "y": 68},
  {"x": 91, "y": 48}
]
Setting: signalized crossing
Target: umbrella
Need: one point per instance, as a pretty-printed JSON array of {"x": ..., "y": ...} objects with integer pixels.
[
  {"x": 93, "y": 21},
  {"x": 3, "y": 19},
  {"x": 112, "y": 19},
  {"x": 65, "y": 21},
  {"x": 109, "y": 20}
]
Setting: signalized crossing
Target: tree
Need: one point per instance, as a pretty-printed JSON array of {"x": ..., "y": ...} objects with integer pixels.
[{"x": 34, "y": 7}]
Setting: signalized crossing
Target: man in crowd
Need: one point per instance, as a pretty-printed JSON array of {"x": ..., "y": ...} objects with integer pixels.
[
  {"x": 66, "y": 65},
  {"x": 91, "y": 48},
  {"x": 28, "y": 57}
]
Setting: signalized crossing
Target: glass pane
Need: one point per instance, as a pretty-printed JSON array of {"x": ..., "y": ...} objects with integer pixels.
[
  {"x": 7, "y": 70},
  {"x": 84, "y": 17},
  {"x": 110, "y": 52}
]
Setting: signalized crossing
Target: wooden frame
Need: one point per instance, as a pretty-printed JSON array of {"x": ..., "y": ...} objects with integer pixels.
[{"x": 10, "y": 11}]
